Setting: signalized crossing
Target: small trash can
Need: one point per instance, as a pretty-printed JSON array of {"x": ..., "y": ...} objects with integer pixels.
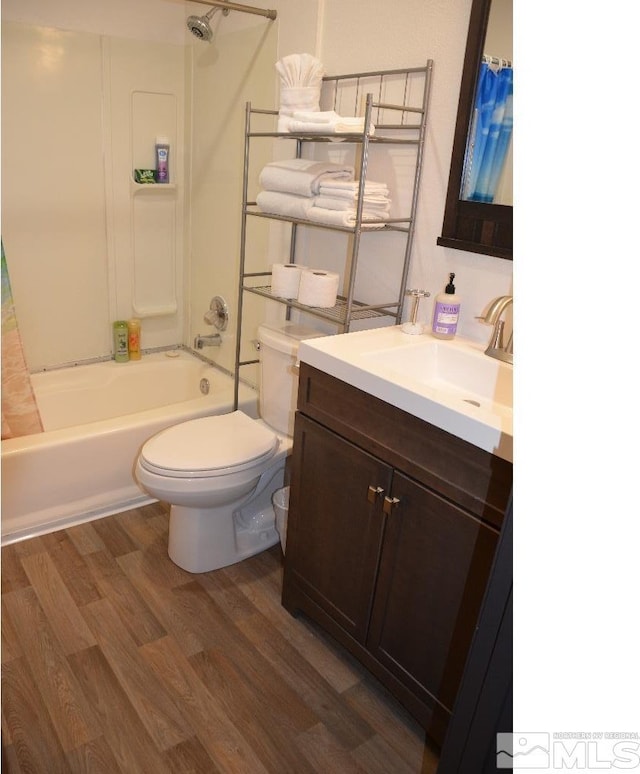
[{"x": 280, "y": 500}]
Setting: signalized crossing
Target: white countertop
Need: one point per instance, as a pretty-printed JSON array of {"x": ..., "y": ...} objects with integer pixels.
[{"x": 451, "y": 384}]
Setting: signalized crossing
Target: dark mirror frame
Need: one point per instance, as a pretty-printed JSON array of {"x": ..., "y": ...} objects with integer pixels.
[{"x": 473, "y": 226}]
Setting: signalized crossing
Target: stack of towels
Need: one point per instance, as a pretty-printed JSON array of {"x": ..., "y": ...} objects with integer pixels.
[
  {"x": 320, "y": 191},
  {"x": 337, "y": 203},
  {"x": 300, "y": 86}
]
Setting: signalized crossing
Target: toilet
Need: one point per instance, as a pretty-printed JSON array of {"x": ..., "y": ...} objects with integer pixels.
[{"x": 219, "y": 473}]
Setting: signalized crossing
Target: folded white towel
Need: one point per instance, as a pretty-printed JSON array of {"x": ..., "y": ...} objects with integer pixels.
[
  {"x": 283, "y": 122},
  {"x": 316, "y": 116},
  {"x": 345, "y": 218},
  {"x": 349, "y": 188},
  {"x": 370, "y": 204},
  {"x": 342, "y": 126},
  {"x": 324, "y": 122},
  {"x": 302, "y": 176},
  {"x": 288, "y": 205}
]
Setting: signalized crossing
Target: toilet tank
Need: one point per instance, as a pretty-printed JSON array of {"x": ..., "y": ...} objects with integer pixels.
[{"x": 278, "y": 375}]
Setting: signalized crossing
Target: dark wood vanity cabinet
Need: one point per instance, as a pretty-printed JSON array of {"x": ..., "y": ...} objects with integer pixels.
[
  {"x": 392, "y": 528},
  {"x": 339, "y": 532},
  {"x": 434, "y": 565}
]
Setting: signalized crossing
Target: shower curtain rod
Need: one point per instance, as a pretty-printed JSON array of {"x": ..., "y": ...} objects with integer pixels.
[
  {"x": 496, "y": 60},
  {"x": 242, "y": 8}
]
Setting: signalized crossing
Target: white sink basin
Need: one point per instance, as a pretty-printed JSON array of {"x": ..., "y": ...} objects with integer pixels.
[
  {"x": 447, "y": 367},
  {"x": 450, "y": 383}
]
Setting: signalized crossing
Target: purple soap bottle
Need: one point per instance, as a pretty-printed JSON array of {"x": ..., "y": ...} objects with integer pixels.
[{"x": 446, "y": 312}]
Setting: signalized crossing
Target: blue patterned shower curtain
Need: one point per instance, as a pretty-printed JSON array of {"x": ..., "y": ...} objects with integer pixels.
[{"x": 489, "y": 135}]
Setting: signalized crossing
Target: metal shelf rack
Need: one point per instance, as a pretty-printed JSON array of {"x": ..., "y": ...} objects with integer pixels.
[{"x": 401, "y": 121}]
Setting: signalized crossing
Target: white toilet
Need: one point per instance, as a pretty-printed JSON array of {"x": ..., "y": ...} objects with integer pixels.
[{"x": 219, "y": 473}]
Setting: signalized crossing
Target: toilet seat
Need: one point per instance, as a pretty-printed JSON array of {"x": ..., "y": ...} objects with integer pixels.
[{"x": 209, "y": 446}]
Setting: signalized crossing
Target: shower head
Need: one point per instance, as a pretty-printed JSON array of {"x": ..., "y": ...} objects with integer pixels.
[{"x": 199, "y": 25}]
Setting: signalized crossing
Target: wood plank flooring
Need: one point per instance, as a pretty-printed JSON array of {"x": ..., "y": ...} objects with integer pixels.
[{"x": 116, "y": 660}]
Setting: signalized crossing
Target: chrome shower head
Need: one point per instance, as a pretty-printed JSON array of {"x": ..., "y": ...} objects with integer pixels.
[{"x": 199, "y": 25}]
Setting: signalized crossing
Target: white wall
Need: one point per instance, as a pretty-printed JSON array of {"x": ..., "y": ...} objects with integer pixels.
[{"x": 156, "y": 20}]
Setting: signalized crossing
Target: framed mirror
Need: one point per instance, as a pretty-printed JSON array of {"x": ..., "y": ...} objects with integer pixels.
[{"x": 473, "y": 226}]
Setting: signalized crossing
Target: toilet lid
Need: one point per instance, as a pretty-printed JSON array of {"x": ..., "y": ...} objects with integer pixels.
[{"x": 209, "y": 446}]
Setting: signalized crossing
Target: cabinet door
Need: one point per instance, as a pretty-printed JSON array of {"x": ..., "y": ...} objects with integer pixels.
[
  {"x": 434, "y": 568},
  {"x": 335, "y": 524}
]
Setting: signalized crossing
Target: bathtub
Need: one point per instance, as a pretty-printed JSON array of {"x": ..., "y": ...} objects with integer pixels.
[{"x": 96, "y": 418}]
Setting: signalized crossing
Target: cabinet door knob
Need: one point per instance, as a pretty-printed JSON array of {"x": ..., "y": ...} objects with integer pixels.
[
  {"x": 373, "y": 493},
  {"x": 389, "y": 504}
]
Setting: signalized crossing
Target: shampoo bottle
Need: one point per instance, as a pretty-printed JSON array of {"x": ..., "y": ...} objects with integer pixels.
[
  {"x": 120, "y": 341},
  {"x": 134, "y": 339},
  {"x": 162, "y": 160},
  {"x": 446, "y": 312}
]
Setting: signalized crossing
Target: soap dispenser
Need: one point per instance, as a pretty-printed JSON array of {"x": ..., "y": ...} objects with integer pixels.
[{"x": 446, "y": 312}]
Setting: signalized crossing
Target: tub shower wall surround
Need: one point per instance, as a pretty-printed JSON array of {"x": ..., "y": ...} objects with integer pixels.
[
  {"x": 96, "y": 418},
  {"x": 108, "y": 99}
]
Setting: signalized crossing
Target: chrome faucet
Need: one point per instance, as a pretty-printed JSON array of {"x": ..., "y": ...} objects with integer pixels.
[
  {"x": 493, "y": 317},
  {"x": 214, "y": 340}
]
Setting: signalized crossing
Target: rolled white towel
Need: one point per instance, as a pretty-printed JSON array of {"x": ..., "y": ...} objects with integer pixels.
[
  {"x": 302, "y": 176},
  {"x": 345, "y": 218},
  {"x": 288, "y": 205},
  {"x": 370, "y": 205}
]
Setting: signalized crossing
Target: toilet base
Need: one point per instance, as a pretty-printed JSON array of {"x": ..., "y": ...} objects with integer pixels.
[{"x": 205, "y": 539}]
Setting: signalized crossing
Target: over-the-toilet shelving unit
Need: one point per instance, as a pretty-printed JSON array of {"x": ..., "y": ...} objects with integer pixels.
[{"x": 399, "y": 122}]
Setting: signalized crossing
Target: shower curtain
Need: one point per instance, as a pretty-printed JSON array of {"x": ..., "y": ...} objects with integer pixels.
[
  {"x": 20, "y": 415},
  {"x": 489, "y": 135}
]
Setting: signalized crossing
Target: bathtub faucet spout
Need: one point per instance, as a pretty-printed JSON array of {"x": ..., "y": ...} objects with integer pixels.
[{"x": 214, "y": 340}]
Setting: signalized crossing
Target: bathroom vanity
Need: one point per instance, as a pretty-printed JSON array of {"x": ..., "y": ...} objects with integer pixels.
[{"x": 393, "y": 524}]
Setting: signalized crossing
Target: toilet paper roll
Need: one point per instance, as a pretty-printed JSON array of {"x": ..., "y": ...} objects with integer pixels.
[
  {"x": 318, "y": 288},
  {"x": 285, "y": 279}
]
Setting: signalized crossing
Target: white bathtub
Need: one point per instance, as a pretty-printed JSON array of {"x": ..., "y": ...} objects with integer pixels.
[{"x": 96, "y": 418}]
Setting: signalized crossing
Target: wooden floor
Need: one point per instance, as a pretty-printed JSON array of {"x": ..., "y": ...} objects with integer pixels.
[{"x": 116, "y": 660}]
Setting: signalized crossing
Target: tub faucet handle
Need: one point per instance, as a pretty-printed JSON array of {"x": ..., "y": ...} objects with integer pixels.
[
  {"x": 215, "y": 340},
  {"x": 218, "y": 313}
]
